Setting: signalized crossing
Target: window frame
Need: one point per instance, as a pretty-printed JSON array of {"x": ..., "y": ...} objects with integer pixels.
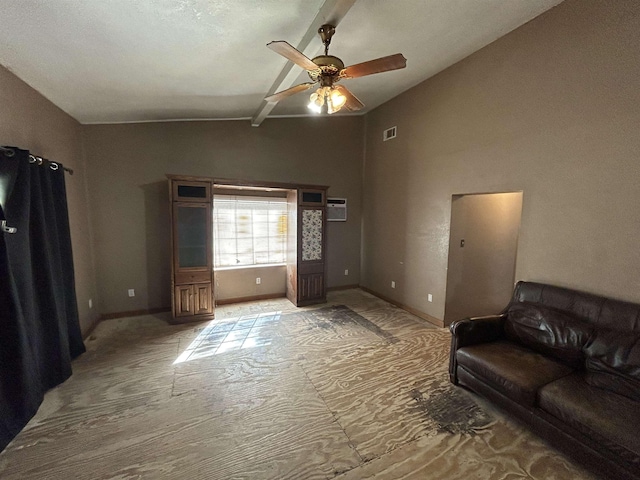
[{"x": 250, "y": 203}]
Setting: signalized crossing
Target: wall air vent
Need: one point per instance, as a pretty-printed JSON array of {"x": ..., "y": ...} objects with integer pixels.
[
  {"x": 336, "y": 209},
  {"x": 389, "y": 133}
]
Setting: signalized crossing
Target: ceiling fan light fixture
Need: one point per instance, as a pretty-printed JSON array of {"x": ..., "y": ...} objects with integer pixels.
[
  {"x": 316, "y": 100},
  {"x": 337, "y": 99},
  {"x": 315, "y": 103},
  {"x": 334, "y": 99}
]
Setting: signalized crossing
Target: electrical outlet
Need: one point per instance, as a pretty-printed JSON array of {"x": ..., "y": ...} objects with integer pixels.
[
  {"x": 90, "y": 303},
  {"x": 346, "y": 272},
  {"x": 132, "y": 292},
  {"x": 393, "y": 284},
  {"x": 258, "y": 280},
  {"x": 429, "y": 297}
]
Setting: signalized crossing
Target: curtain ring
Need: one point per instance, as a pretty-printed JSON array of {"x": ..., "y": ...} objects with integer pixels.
[
  {"x": 53, "y": 166},
  {"x": 32, "y": 159},
  {"x": 8, "y": 152},
  {"x": 40, "y": 160},
  {"x": 6, "y": 228}
]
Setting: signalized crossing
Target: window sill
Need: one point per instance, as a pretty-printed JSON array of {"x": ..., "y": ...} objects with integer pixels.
[{"x": 246, "y": 267}]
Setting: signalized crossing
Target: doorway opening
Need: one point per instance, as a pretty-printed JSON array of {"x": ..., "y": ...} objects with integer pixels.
[{"x": 483, "y": 247}]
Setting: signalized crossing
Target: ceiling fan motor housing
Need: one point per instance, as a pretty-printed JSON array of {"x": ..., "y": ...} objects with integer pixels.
[{"x": 328, "y": 66}]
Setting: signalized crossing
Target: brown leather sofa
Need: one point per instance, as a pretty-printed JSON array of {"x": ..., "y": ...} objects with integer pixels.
[{"x": 567, "y": 364}]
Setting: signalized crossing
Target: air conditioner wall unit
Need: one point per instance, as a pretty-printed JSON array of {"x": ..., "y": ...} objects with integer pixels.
[{"x": 336, "y": 209}]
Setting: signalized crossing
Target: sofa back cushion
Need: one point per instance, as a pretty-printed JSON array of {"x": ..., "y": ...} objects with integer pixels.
[
  {"x": 613, "y": 362},
  {"x": 593, "y": 309},
  {"x": 548, "y": 331}
]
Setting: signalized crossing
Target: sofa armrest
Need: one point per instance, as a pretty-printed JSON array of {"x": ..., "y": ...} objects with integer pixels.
[{"x": 472, "y": 331}]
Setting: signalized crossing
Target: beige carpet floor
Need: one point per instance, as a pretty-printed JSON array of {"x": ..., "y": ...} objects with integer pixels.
[{"x": 352, "y": 389}]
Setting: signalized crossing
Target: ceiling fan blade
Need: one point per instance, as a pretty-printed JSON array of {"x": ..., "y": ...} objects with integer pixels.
[
  {"x": 379, "y": 65},
  {"x": 276, "y": 97},
  {"x": 352, "y": 104},
  {"x": 291, "y": 53}
]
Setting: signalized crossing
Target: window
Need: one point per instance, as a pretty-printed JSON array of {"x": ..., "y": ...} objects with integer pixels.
[{"x": 249, "y": 230}]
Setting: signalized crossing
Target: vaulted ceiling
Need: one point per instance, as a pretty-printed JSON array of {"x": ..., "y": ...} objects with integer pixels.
[{"x": 106, "y": 61}]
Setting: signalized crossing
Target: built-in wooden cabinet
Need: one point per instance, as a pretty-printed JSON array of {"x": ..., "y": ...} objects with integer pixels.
[
  {"x": 192, "y": 247},
  {"x": 311, "y": 246},
  {"x": 193, "y": 299},
  {"x": 192, "y": 243}
]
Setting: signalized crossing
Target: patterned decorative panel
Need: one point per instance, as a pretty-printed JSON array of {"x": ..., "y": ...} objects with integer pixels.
[{"x": 311, "y": 235}]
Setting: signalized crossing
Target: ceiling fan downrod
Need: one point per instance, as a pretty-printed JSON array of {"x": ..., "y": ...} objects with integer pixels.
[{"x": 326, "y": 31}]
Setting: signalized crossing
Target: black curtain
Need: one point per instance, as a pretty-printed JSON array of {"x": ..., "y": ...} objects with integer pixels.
[{"x": 39, "y": 326}]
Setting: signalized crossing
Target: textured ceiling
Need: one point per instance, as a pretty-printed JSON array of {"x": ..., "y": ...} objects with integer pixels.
[{"x": 144, "y": 60}]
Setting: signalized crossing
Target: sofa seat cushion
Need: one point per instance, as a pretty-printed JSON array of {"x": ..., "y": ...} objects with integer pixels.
[
  {"x": 610, "y": 419},
  {"x": 513, "y": 370},
  {"x": 548, "y": 331}
]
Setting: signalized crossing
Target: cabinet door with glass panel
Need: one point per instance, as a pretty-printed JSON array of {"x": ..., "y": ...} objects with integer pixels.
[{"x": 192, "y": 236}]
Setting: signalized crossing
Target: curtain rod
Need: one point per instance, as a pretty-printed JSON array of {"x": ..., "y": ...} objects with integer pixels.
[{"x": 9, "y": 152}]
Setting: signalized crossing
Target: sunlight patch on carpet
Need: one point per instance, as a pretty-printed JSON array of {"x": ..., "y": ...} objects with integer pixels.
[{"x": 221, "y": 336}]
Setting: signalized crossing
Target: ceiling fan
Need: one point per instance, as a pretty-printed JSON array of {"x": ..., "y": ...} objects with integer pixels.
[{"x": 327, "y": 70}]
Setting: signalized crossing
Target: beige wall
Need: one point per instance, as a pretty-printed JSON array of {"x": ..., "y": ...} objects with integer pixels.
[
  {"x": 480, "y": 272},
  {"x": 129, "y": 196},
  {"x": 30, "y": 121},
  {"x": 551, "y": 109},
  {"x": 238, "y": 283}
]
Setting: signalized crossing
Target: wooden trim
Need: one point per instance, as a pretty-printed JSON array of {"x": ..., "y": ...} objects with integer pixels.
[
  {"x": 257, "y": 183},
  {"x": 244, "y": 183},
  {"x": 91, "y": 328},
  {"x": 134, "y": 313},
  {"x": 343, "y": 287},
  {"x": 172, "y": 244},
  {"x": 231, "y": 191},
  {"x": 292, "y": 246},
  {"x": 252, "y": 298},
  {"x": 433, "y": 320},
  {"x": 207, "y": 317}
]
